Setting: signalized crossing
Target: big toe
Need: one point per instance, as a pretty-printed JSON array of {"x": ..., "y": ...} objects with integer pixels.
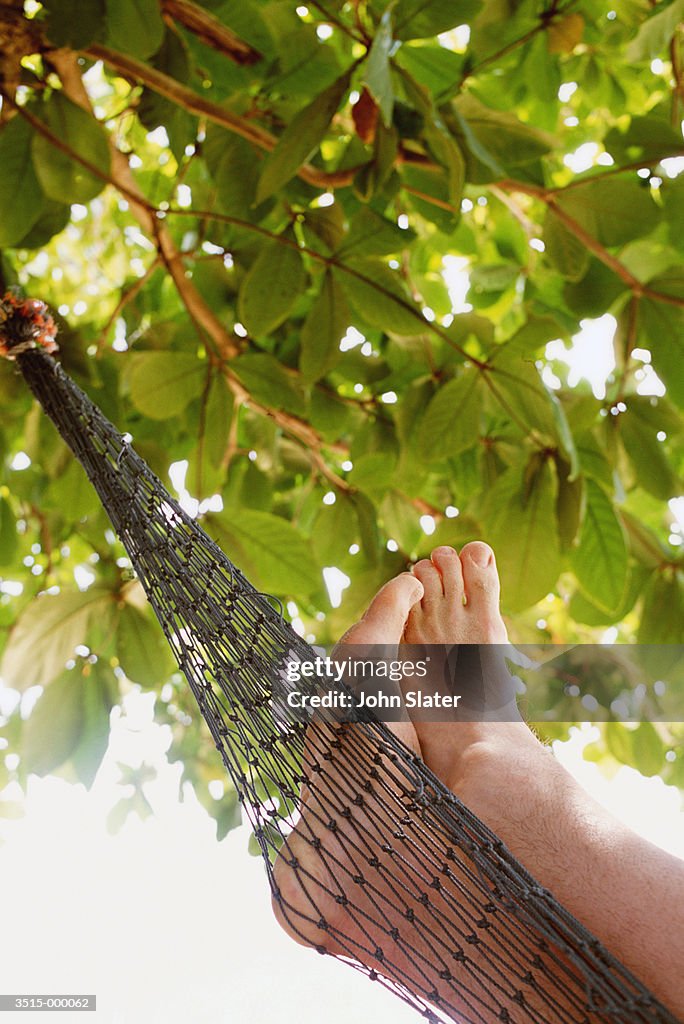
[
  {"x": 482, "y": 589},
  {"x": 385, "y": 618}
]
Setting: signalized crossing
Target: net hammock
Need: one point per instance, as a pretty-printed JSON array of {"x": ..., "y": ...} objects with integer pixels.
[{"x": 388, "y": 870}]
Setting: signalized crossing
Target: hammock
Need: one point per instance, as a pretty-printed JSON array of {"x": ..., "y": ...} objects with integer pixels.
[{"x": 479, "y": 939}]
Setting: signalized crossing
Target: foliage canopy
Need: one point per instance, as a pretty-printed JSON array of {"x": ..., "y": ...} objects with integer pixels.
[{"x": 254, "y": 219}]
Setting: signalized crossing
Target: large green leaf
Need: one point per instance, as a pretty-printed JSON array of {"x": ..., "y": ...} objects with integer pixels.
[
  {"x": 162, "y": 383},
  {"x": 53, "y": 729},
  {"x": 323, "y": 329},
  {"x": 47, "y": 632},
  {"x": 271, "y": 287},
  {"x": 74, "y": 23},
  {"x": 418, "y": 19},
  {"x": 519, "y": 516},
  {"x": 377, "y": 77},
  {"x": 452, "y": 419},
  {"x": 268, "y": 549},
  {"x": 564, "y": 249},
  {"x": 662, "y": 614},
  {"x": 234, "y": 166},
  {"x": 98, "y": 694},
  {"x": 268, "y": 381},
  {"x": 600, "y": 560},
  {"x": 62, "y": 176},
  {"x": 652, "y": 467},
  {"x": 496, "y": 139},
  {"x": 612, "y": 209},
  {"x": 661, "y": 329},
  {"x": 655, "y": 33},
  {"x": 370, "y": 234},
  {"x": 379, "y": 296},
  {"x": 135, "y": 27},
  {"x": 141, "y": 648},
  {"x": 21, "y": 197},
  {"x": 301, "y": 138}
]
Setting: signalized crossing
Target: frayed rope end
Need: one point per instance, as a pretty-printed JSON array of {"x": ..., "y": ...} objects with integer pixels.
[{"x": 25, "y": 324}]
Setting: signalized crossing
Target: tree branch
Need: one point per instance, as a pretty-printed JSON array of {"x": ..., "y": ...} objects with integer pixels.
[
  {"x": 209, "y": 30},
  {"x": 65, "y": 63}
]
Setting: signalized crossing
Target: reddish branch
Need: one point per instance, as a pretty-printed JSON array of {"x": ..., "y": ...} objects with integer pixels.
[
  {"x": 210, "y": 30},
  {"x": 65, "y": 63}
]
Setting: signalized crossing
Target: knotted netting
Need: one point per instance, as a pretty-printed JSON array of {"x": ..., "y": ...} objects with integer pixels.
[{"x": 369, "y": 856}]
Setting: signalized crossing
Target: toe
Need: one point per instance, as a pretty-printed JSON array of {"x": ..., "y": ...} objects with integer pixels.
[
  {"x": 431, "y": 578},
  {"x": 386, "y": 616},
  {"x": 481, "y": 581},
  {"x": 449, "y": 564}
]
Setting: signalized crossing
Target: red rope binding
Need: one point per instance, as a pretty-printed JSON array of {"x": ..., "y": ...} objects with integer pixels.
[{"x": 25, "y": 324}]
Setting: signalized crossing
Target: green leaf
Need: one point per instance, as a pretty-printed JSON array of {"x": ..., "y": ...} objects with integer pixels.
[
  {"x": 648, "y": 749},
  {"x": 73, "y": 491},
  {"x": 661, "y": 330},
  {"x": 400, "y": 520},
  {"x": 324, "y": 327},
  {"x": 47, "y": 632},
  {"x": 614, "y": 210},
  {"x": 419, "y": 19},
  {"x": 368, "y": 526},
  {"x": 373, "y": 472},
  {"x": 135, "y": 27},
  {"x": 97, "y": 699},
  {"x": 662, "y": 614},
  {"x": 73, "y": 23},
  {"x": 434, "y": 182},
  {"x": 519, "y": 518},
  {"x": 234, "y": 166},
  {"x": 62, "y": 177},
  {"x": 162, "y": 383},
  {"x": 53, "y": 218},
  {"x": 496, "y": 139},
  {"x": 435, "y": 67},
  {"x": 370, "y": 234},
  {"x": 141, "y": 648},
  {"x": 268, "y": 550},
  {"x": 334, "y": 530},
  {"x": 600, "y": 560},
  {"x": 301, "y": 138},
  {"x": 655, "y": 33},
  {"x": 271, "y": 287},
  {"x": 377, "y": 77},
  {"x": 570, "y": 505},
  {"x": 452, "y": 419},
  {"x": 54, "y": 727},
  {"x": 379, "y": 296},
  {"x": 217, "y": 419},
  {"x": 517, "y": 384},
  {"x": 648, "y": 138},
  {"x": 652, "y": 467},
  {"x": 21, "y": 197},
  {"x": 566, "y": 252},
  {"x": 268, "y": 381},
  {"x": 8, "y": 533}
]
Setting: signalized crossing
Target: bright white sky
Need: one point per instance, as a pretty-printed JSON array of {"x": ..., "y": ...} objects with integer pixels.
[{"x": 166, "y": 925}]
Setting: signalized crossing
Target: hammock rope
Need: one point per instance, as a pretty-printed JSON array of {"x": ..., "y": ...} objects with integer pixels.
[{"x": 427, "y": 900}]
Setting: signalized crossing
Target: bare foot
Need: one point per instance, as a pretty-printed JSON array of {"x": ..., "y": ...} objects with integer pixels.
[
  {"x": 367, "y": 873},
  {"x": 460, "y": 605}
]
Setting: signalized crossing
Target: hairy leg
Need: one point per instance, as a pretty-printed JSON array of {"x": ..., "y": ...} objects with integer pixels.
[{"x": 347, "y": 890}]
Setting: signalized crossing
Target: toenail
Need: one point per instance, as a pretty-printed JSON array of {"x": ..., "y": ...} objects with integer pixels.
[{"x": 481, "y": 555}]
